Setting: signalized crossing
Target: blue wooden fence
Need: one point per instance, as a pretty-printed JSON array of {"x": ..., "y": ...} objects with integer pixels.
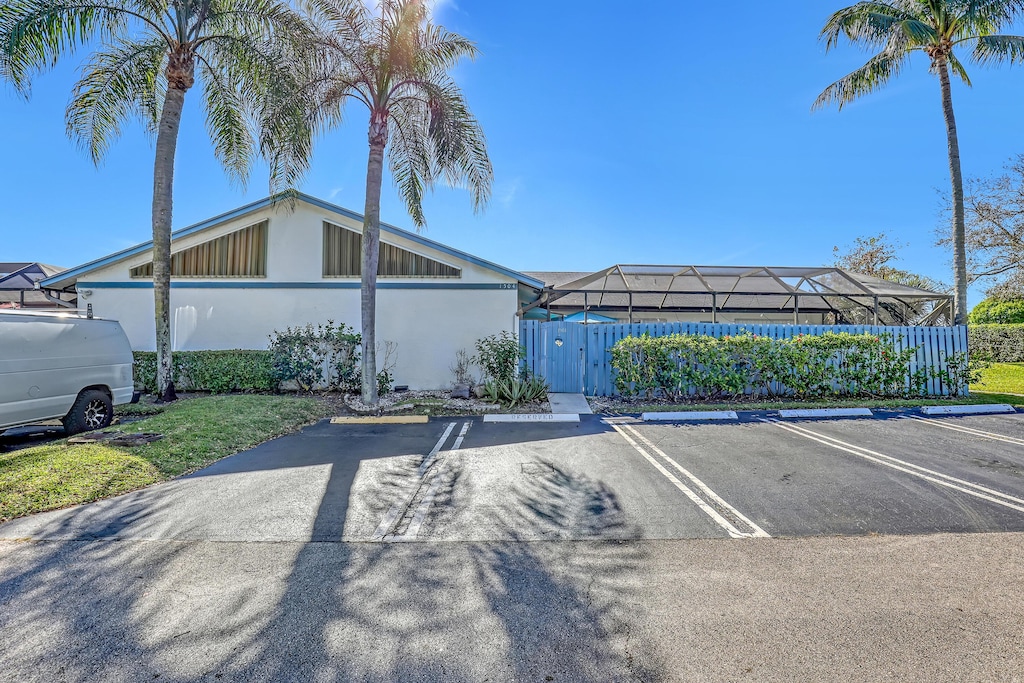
[{"x": 575, "y": 357}]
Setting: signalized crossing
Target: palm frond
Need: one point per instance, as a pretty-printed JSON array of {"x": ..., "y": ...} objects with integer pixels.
[
  {"x": 999, "y": 49},
  {"x": 457, "y": 141},
  {"x": 988, "y": 16},
  {"x": 116, "y": 85},
  {"x": 957, "y": 67},
  {"x": 294, "y": 113},
  {"x": 408, "y": 158},
  {"x": 870, "y": 77},
  {"x": 442, "y": 49},
  {"x": 35, "y": 34},
  {"x": 869, "y": 23},
  {"x": 227, "y": 122}
]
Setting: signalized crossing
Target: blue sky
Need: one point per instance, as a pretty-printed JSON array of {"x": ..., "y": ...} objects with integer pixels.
[{"x": 662, "y": 134}]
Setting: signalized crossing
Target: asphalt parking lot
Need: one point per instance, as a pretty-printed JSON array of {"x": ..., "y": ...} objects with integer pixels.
[
  {"x": 602, "y": 478},
  {"x": 622, "y": 479},
  {"x": 608, "y": 550}
]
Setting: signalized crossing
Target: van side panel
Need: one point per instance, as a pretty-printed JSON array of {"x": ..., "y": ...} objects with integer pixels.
[{"x": 46, "y": 362}]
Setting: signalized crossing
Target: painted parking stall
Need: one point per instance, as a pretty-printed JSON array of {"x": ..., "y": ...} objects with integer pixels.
[
  {"x": 714, "y": 506},
  {"x": 793, "y": 485},
  {"x": 984, "y": 453},
  {"x": 901, "y": 465},
  {"x": 545, "y": 480}
]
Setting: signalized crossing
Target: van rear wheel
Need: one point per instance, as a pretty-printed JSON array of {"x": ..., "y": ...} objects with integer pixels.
[{"x": 93, "y": 409}]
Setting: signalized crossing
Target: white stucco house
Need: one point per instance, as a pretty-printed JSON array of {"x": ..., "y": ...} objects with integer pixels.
[{"x": 269, "y": 265}]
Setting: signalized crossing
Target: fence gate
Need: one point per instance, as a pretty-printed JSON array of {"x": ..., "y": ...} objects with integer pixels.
[{"x": 563, "y": 356}]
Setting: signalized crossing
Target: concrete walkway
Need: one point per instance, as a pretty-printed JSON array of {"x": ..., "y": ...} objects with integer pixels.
[{"x": 569, "y": 403}]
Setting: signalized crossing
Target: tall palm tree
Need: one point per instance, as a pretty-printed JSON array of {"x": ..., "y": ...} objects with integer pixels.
[
  {"x": 897, "y": 29},
  {"x": 148, "y": 55},
  {"x": 395, "y": 62}
]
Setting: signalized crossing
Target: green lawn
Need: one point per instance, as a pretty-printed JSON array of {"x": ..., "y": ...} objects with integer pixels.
[
  {"x": 197, "y": 431},
  {"x": 1005, "y": 378}
]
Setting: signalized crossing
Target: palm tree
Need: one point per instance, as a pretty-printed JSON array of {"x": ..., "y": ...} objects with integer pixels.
[
  {"x": 395, "y": 62},
  {"x": 148, "y": 55},
  {"x": 898, "y": 28}
]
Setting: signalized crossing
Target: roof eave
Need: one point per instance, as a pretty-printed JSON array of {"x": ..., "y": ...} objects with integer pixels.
[{"x": 69, "y": 276}]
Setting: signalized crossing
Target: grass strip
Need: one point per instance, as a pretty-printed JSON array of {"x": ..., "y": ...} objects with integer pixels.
[
  {"x": 197, "y": 432},
  {"x": 1001, "y": 378}
]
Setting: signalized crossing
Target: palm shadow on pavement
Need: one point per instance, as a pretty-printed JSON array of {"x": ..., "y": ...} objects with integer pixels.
[{"x": 326, "y": 610}]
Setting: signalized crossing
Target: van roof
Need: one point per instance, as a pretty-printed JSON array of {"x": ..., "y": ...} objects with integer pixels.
[{"x": 35, "y": 313}]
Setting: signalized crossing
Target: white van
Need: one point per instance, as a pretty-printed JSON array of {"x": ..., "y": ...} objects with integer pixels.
[{"x": 62, "y": 366}]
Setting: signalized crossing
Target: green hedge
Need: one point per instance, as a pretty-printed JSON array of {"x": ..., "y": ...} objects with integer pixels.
[
  {"x": 998, "y": 343},
  {"x": 215, "y": 371},
  {"x": 998, "y": 312},
  {"x": 831, "y": 364}
]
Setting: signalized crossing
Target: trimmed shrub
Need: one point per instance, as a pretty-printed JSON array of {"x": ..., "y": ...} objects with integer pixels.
[
  {"x": 998, "y": 312},
  {"x": 997, "y": 343},
  {"x": 321, "y": 357},
  {"x": 214, "y": 371},
  {"x": 327, "y": 357},
  {"x": 500, "y": 356},
  {"x": 831, "y": 364}
]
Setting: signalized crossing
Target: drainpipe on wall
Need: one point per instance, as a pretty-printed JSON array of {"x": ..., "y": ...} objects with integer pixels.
[{"x": 57, "y": 300}]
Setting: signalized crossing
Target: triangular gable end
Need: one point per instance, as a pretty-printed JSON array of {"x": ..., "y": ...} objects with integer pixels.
[
  {"x": 343, "y": 248},
  {"x": 242, "y": 253}
]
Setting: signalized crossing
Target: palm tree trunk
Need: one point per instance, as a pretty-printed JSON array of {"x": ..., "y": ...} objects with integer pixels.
[
  {"x": 959, "y": 249},
  {"x": 378, "y": 137},
  {"x": 163, "y": 183}
]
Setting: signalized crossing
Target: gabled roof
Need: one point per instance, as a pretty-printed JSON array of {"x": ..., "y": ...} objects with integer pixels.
[
  {"x": 68, "y": 277},
  {"x": 557, "y": 278},
  {"x": 23, "y": 276}
]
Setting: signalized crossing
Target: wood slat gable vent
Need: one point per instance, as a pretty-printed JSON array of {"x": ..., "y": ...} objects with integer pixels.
[
  {"x": 343, "y": 256},
  {"x": 242, "y": 253}
]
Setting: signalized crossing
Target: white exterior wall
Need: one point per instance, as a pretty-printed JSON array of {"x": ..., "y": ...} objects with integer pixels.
[{"x": 427, "y": 322}]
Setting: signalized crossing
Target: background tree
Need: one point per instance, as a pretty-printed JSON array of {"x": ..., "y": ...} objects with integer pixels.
[
  {"x": 396, "y": 63},
  {"x": 148, "y": 55},
  {"x": 994, "y": 217},
  {"x": 876, "y": 256},
  {"x": 897, "y": 29}
]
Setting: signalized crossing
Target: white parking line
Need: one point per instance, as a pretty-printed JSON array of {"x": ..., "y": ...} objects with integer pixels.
[
  {"x": 969, "y": 430},
  {"x": 708, "y": 509},
  {"x": 429, "y": 460},
  {"x": 939, "y": 478},
  {"x": 416, "y": 523},
  {"x": 392, "y": 516},
  {"x": 462, "y": 435}
]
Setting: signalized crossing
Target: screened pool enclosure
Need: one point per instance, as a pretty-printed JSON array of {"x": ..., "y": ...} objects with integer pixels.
[{"x": 733, "y": 294}]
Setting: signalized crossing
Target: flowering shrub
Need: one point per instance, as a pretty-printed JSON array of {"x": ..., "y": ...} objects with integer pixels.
[{"x": 831, "y": 364}]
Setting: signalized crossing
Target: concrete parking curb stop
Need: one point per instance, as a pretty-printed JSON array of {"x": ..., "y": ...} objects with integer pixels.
[
  {"x": 826, "y": 412},
  {"x": 691, "y": 415},
  {"x": 381, "y": 419},
  {"x": 983, "y": 409}
]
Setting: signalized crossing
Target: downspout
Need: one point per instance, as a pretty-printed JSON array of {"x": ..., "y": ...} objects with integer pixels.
[{"x": 56, "y": 300}]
